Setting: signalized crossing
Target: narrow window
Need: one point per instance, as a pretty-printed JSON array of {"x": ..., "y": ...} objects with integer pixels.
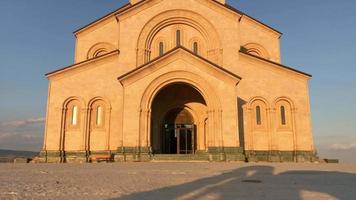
[
  {"x": 74, "y": 115},
  {"x": 99, "y": 116},
  {"x": 100, "y": 52},
  {"x": 178, "y": 35},
  {"x": 258, "y": 115},
  {"x": 283, "y": 115},
  {"x": 161, "y": 48},
  {"x": 195, "y": 47}
]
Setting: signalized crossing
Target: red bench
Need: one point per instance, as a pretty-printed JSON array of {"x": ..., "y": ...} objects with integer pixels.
[{"x": 100, "y": 158}]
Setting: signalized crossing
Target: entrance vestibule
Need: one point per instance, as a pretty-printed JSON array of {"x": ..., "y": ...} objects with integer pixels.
[{"x": 177, "y": 112}]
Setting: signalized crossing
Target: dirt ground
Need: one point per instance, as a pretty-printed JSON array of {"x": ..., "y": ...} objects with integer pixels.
[{"x": 190, "y": 181}]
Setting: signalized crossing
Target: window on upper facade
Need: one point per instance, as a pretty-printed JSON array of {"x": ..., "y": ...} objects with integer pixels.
[
  {"x": 100, "y": 52},
  {"x": 99, "y": 116},
  {"x": 178, "y": 38},
  {"x": 195, "y": 47},
  {"x": 283, "y": 115},
  {"x": 161, "y": 48},
  {"x": 258, "y": 115},
  {"x": 74, "y": 120}
]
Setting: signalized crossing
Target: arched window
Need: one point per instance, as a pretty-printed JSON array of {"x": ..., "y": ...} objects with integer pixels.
[
  {"x": 283, "y": 115},
  {"x": 178, "y": 38},
  {"x": 74, "y": 116},
  {"x": 161, "y": 48},
  {"x": 258, "y": 115},
  {"x": 195, "y": 48},
  {"x": 100, "y": 52},
  {"x": 99, "y": 116}
]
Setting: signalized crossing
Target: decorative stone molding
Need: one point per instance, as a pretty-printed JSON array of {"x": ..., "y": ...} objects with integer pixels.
[{"x": 176, "y": 17}]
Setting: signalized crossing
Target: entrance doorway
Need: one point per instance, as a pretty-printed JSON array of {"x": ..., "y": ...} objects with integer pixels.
[
  {"x": 177, "y": 112},
  {"x": 178, "y": 136},
  {"x": 178, "y": 139}
]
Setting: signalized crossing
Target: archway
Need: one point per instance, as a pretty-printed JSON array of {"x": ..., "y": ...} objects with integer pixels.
[{"x": 177, "y": 120}]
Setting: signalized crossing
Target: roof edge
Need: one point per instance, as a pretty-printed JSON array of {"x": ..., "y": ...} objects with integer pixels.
[
  {"x": 81, "y": 63},
  {"x": 278, "y": 64},
  {"x": 170, "y": 52},
  {"x": 244, "y": 14},
  {"x": 120, "y": 9},
  {"x": 129, "y": 6}
]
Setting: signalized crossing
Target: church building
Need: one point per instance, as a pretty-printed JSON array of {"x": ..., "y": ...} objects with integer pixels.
[{"x": 178, "y": 80}]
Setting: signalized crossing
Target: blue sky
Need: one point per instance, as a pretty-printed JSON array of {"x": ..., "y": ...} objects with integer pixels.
[{"x": 319, "y": 38}]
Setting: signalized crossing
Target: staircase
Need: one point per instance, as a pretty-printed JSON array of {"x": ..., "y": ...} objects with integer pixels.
[{"x": 180, "y": 157}]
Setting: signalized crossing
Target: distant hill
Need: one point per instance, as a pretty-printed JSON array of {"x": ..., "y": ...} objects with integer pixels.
[{"x": 10, "y": 155}]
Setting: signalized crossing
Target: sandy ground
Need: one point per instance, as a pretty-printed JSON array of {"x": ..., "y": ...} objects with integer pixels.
[{"x": 158, "y": 181}]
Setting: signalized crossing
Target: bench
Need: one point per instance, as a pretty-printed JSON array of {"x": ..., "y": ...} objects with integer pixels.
[{"x": 100, "y": 158}]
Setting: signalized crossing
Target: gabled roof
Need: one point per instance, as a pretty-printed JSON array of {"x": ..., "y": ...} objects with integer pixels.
[
  {"x": 275, "y": 64},
  {"x": 129, "y": 6},
  {"x": 82, "y": 63},
  {"x": 173, "y": 51}
]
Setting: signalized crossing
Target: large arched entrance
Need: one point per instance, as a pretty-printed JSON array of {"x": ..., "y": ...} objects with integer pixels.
[{"x": 178, "y": 122}]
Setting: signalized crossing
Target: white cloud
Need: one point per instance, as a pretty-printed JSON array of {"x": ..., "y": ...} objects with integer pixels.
[
  {"x": 24, "y": 134},
  {"x": 343, "y": 146},
  {"x": 22, "y": 122}
]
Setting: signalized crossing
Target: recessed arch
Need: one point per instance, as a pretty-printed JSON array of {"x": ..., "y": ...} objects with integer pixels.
[
  {"x": 183, "y": 77},
  {"x": 175, "y": 17},
  {"x": 99, "y": 98},
  {"x": 258, "y": 98},
  {"x": 259, "y": 115},
  {"x": 98, "y": 135},
  {"x": 73, "y": 98},
  {"x": 177, "y": 109},
  {"x": 256, "y": 49},
  {"x": 213, "y": 106},
  {"x": 99, "y": 49},
  {"x": 286, "y": 99},
  {"x": 285, "y": 111}
]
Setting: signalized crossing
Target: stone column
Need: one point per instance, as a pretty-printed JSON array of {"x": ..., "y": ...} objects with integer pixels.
[{"x": 274, "y": 153}]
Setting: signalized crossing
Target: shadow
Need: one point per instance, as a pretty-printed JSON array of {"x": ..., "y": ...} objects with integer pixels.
[
  {"x": 260, "y": 182},
  {"x": 240, "y": 104}
]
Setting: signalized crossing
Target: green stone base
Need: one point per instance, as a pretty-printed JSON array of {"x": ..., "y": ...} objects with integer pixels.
[
  {"x": 50, "y": 157},
  {"x": 280, "y": 156},
  {"x": 228, "y": 154},
  {"x": 75, "y": 156},
  {"x": 213, "y": 154},
  {"x": 133, "y": 154},
  {"x": 63, "y": 157}
]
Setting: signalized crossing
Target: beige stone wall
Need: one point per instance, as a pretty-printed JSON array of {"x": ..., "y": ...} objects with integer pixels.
[
  {"x": 94, "y": 80},
  {"x": 268, "y": 82},
  {"x": 102, "y": 34},
  {"x": 254, "y": 33},
  {"x": 136, "y": 33}
]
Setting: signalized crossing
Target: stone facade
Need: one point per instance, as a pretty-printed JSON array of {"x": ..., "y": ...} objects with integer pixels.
[{"x": 167, "y": 79}]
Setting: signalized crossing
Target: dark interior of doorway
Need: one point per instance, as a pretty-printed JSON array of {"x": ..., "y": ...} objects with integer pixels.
[{"x": 179, "y": 133}]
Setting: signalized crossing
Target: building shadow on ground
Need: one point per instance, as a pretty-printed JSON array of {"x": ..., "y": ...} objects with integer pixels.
[{"x": 260, "y": 182}]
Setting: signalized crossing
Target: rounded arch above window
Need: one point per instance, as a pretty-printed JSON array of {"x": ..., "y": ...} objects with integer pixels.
[
  {"x": 192, "y": 24},
  {"x": 100, "y": 49},
  {"x": 197, "y": 46},
  {"x": 72, "y": 108},
  {"x": 256, "y": 49},
  {"x": 258, "y": 107},
  {"x": 285, "y": 111},
  {"x": 99, "y": 109},
  {"x": 160, "y": 47}
]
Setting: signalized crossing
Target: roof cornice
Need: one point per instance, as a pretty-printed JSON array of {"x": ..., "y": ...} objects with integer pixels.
[
  {"x": 60, "y": 70},
  {"x": 128, "y": 6},
  {"x": 172, "y": 51},
  {"x": 276, "y": 64}
]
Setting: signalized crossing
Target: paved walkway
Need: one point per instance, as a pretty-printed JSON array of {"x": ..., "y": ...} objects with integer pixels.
[{"x": 128, "y": 181}]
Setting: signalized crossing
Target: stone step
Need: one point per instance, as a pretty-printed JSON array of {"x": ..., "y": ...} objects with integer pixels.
[{"x": 180, "y": 157}]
